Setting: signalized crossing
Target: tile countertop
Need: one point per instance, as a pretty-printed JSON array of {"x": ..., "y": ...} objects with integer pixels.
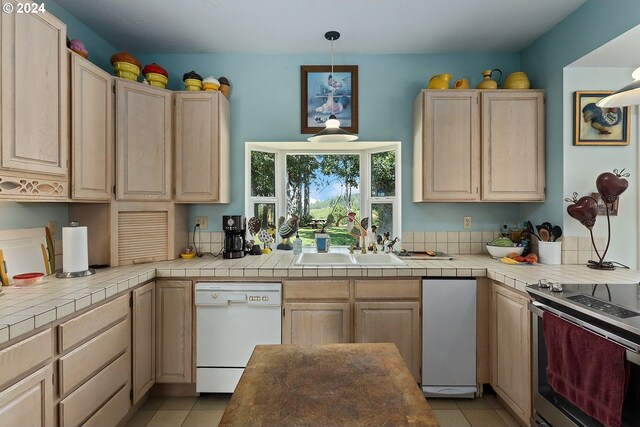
[{"x": 23, "y": 309}]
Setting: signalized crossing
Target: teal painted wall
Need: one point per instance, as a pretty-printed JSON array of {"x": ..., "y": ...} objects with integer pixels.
[
  {"x": 589, "y": 27},
  {"x": 99, "y": 50},
  {"x": 265, "y": 103}
]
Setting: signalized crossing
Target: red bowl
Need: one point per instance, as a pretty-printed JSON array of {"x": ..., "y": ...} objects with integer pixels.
[{"x": 27, "y": 279}]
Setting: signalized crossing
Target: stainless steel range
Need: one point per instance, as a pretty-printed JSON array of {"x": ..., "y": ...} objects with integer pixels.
[{"x": 609, "y": 311}]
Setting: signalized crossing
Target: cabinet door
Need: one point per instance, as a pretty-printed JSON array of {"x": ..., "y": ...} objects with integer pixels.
[
  {"x": 144, "y": 340},
  {"x": 510, "y": 336},
  {"x": 447, "y": 146},
  {"x": 174, "y": 331},
  {"x": 35, "y": 93},
  {"x": 513, "y": 145},
  {"x": 91, "y": 131},
  {"x": 394, "y": 322},
  {"x": 201, "y": 147},
  {"x": 143, "y": 142},
  {"x": 316, "y": 323},
  {"x": 29, "y": 403}
]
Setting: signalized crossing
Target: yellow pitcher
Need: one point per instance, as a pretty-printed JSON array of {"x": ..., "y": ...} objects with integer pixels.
[
  {"x": 486, "y": 82},
  {"x": 439, "y": 81}
]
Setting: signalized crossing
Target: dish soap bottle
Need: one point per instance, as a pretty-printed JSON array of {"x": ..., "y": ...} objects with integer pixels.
[{"x": 297, "y": 245}]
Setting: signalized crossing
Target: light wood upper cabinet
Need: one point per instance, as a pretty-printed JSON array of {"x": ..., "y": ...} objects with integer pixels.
[
  {"x": 174, "y": 331},
  {"x": 144, "y": 340},
  {"x": 35, "y": 93},
  {"x": 513, "y": 145},
  {"x": 397, "y": 322},
  {"x": 510, "y": 337},
  {"x": 91, "y": 131},
  {"x": 478, "y": 145},
  {"x": 201, "y": 125},
  {"x": 30, "y": 401},
  {"x": 316, "y": 323},
  {"x": 143, "y": 142},
  {"x": 447, "y": 146}
]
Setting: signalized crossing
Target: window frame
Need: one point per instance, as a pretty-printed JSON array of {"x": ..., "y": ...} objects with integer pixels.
[{"x": 364, "y": 149}]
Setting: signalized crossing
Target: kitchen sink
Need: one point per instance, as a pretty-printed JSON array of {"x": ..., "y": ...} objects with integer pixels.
[
  {"x": 347, "y": 259},
  {"x": 324, "y": 259},
  {"x": 377, "y": 259}
]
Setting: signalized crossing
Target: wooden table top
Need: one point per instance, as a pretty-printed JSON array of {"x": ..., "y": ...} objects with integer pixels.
[{"x": 328, "y": 385}]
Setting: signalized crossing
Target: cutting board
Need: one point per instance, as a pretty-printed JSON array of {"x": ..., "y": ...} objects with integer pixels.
[{"x": 27, "y": 250}]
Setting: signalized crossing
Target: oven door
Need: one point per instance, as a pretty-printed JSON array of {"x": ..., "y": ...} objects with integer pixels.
[{"x": 551, "y": 409}]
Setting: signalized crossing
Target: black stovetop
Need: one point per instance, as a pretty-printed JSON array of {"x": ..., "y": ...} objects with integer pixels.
[{"x": 615, "y": 304}]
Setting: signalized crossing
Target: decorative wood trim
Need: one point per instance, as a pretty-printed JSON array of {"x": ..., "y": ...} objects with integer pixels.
[{"x": 32, "y": 188}]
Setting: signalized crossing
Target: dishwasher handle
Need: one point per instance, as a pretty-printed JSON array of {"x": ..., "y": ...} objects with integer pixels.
[{"x": 237, "y": 298}]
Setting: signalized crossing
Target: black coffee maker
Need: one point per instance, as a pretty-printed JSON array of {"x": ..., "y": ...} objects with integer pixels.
[{"x": 235, "y": 227}]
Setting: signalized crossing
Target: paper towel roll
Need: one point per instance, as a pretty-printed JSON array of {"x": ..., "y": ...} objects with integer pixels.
[{"x": 75, "y": 249}]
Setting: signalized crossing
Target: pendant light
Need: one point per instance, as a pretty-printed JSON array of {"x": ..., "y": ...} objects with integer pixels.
[
  {"x": 332, "y": 131},
  {"x": 628, "y": 95}
]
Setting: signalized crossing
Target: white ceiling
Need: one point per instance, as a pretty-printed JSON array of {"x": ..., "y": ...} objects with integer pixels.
[{"x": 298, "y": 26}]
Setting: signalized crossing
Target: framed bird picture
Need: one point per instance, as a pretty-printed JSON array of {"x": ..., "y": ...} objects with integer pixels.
[{"x": 599, "y": 126}]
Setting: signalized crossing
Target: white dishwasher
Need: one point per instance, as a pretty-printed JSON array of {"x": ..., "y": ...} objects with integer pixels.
[
  {"x": 231, "y": 319},
  {"x": 449, "y": 337}
]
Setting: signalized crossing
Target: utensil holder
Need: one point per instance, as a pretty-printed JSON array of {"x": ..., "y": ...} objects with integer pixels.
[{"x": 550, "y": 252}]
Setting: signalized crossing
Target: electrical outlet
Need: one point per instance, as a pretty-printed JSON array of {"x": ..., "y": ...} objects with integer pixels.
[
  {"x": 203, "y": 221},
  {"x": 53, "y": 229},
  {"x": 466, "y": 223}
]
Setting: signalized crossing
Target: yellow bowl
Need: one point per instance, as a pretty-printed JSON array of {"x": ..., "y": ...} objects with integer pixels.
[
  {"x": 157, "y": 80},
  {"x": 126, "y": 70},
  {"x": 517, "y": 80},
  {"x": 193, "y": 84},
  {"x": 187, "y": 255},
  {"x": 209, "y": 86}
]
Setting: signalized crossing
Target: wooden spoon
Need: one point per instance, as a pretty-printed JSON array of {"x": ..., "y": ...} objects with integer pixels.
[{"x": 544, "y": 234}]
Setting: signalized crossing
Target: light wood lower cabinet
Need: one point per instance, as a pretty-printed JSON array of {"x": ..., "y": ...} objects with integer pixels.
[
  {"x": 510, "y": 337},
  {"x": 174, "y": 331},
  {"x": 29, "y": 402},
  {"x": 316, "y": 323},
  {"x": 343, "y": 311},
  {"x": 144, "y": 340},
  {"x": 95, "y": 364},
  {"x": 394, "y": 322}
]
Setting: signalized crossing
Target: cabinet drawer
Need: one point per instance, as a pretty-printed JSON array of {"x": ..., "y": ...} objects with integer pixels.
[
  {"x": 316, "y": 289},
  {"x": 82, "y": 362},
  {"x": 82, "y": 327},
  {"x": 26, "y": 354},
  {"x": 112, "y": 411},
  {"x": 388, "y": 289},
  {"x": 83, "y": 402}
]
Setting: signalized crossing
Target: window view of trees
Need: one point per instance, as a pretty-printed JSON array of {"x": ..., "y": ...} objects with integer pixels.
[
  {"x": 383, "y": 174},
  {"x": 321, "y": 189},
  {"x": 263, "y": 182}
]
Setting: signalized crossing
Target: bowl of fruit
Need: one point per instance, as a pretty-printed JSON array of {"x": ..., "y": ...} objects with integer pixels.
[{"x": 503, "y": 246}]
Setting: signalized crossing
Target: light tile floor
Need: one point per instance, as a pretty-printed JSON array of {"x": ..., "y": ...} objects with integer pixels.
[{"x": 207, "y": 410}]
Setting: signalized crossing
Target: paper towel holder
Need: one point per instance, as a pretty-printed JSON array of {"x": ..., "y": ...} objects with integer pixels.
[{"x": 72, "y": 274}]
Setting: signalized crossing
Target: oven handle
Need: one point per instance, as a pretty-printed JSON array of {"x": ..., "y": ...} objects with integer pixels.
[{"x": 633, "y": 350}]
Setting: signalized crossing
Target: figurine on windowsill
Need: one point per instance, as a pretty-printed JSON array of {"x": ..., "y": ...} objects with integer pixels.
[
  {"x": 287, "y": 230},
  {"x": 355, "y": 229},
  {"x": 390, "y": 243}
]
